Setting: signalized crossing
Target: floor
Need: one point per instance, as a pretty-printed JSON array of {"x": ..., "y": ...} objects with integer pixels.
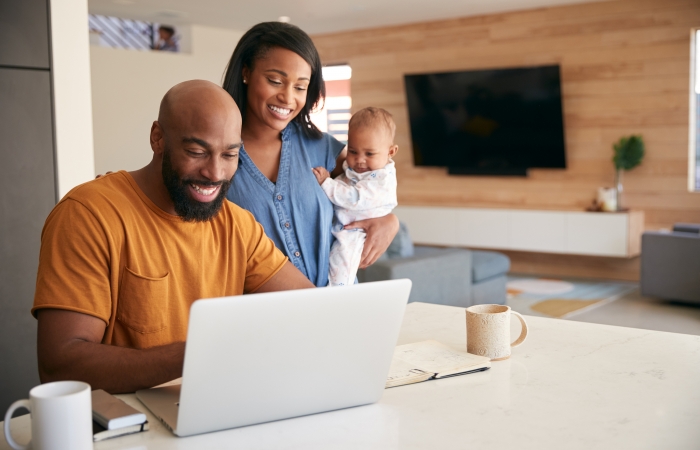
[{"x": 635, "y": 311}]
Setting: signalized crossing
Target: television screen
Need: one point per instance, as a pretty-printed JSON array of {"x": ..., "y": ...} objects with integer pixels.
[{"x": 499, "y": 121}]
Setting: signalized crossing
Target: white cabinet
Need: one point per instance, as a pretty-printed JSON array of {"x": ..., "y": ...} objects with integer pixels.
[
  {"x": 482, "y": 228},
  {"x": 537, "y": 231},
  {"x": 570, "y": 232},
  {"x": 436, "y": 226},
  {"x": 597, "y": 234}
]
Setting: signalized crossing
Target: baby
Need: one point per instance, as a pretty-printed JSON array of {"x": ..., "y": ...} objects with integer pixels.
[{"x": 366, "y": 189}]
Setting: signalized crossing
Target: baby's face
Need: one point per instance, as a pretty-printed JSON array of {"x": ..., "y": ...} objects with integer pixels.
[{"x": 369, "y": 148}]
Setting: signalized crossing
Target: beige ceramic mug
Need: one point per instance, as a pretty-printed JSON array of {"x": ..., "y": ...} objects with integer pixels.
[{"x": 488, "y": 331}]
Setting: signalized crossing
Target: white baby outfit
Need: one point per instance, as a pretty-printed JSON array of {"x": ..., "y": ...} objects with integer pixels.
[{"x": 356, "y": 196}]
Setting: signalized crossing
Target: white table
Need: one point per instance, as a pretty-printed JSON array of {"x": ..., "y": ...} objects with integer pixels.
[{"x": 570, "y": 385}]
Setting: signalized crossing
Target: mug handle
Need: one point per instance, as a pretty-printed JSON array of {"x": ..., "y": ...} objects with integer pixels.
[
  {"x": 8, "y": 415},
  {"x": 523, "y": 331}
]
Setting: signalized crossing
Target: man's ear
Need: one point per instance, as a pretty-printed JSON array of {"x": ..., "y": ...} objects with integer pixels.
[
  {"x": 393, "y": 150},
  {"x": 157, "y": 138}
]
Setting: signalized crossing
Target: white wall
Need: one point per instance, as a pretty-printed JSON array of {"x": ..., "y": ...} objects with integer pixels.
[
  {"x": 70, "y": 57},
  {"x": 127, "y": 86}
]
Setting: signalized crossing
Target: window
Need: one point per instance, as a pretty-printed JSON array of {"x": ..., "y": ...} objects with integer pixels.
[
  {"x": 115, "y": 32},
  {"x": 333, "y": 118},
  {"x": 694, "y": 140}
]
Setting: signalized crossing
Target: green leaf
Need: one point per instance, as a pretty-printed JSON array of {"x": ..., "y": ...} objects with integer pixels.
[{"x": 628, "y": 152}]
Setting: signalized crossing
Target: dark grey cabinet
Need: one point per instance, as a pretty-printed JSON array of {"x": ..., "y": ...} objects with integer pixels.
[
  {"x": 24, "y": 33},
  {"x": 27, "y": 195},
  {"x": 27, "y": 184}
]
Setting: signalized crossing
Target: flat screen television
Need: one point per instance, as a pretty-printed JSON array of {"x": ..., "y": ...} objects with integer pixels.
[{"x": 487, "y": 122}]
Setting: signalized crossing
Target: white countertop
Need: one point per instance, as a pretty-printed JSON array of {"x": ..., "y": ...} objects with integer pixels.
[{"x": 570, "y": 385}]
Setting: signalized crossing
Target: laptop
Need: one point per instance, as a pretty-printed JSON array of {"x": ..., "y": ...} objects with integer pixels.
[{"x": 262, "y": 357}]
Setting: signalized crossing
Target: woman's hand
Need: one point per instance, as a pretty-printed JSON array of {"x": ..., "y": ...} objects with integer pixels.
[
  {"x": 380, "y": 233},
  {"x": 99, "y": 175}
]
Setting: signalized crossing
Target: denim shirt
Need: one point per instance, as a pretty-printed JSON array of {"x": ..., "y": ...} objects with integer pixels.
[{"x": 295, "y": 212}]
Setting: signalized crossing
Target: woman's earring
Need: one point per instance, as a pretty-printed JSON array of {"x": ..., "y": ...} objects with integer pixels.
[{"x": 245, "y": 81}]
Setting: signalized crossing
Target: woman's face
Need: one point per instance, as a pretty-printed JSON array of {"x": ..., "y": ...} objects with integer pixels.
[{"x": 277, "y": 88}]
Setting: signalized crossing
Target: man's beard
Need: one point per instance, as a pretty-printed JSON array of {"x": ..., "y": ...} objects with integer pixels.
[{"x": 189, "y": 209}]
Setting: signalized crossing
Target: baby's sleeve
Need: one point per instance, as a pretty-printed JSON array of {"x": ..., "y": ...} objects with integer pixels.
[{"x": 378, "y": 189}]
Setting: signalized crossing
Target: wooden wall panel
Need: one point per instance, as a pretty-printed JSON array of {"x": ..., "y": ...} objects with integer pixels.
[{"x": 625, "y": 69}]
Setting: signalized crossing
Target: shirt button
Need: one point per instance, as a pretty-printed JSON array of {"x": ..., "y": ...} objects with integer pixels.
[
  {"x": 297, "y": 254},
  {"x": 279, "y": 197},
  {"x": 286, "y": 225}
]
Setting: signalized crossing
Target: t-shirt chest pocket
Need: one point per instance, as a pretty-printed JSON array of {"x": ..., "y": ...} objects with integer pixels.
[{"x": 143, "y": 302}]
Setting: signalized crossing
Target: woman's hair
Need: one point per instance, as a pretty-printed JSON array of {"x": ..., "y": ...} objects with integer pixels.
[{"x": 255, "y": 44}]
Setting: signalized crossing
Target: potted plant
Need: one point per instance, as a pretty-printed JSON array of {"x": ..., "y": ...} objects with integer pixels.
[{"x": 628, "y": 154}]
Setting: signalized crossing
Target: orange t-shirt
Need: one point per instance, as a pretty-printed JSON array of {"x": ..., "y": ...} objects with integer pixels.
[{"x": 108, "y": 251}]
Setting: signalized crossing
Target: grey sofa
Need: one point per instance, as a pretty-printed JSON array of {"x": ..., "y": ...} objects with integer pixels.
[
  {"x": 444, "y": 276},
  {"x": 670, "y": 266}
]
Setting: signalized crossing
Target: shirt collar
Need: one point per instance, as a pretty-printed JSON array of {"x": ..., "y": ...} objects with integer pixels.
[{"x": 288, "y": 131}]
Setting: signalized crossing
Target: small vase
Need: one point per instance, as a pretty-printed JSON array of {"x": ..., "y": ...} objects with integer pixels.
[{"x": 618, "y": 188}]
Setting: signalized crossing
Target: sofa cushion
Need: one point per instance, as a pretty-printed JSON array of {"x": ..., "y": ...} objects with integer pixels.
[
  {"x": 439, "y": 275},
  {"x": 486, "y": 265},
  {"x": 687, "y": 227},
  {"x": 401, "y": 246}
]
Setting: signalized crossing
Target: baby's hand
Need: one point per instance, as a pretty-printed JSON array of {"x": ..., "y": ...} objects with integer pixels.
[{"x": 321, "y": 174}]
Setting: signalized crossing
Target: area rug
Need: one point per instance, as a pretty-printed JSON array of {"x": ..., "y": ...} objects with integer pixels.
[{"x": 560, "y": 298}]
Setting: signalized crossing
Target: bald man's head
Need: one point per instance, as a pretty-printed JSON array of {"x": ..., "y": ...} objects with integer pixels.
[
  {"x": 197, "y": 138},
  {"x": 198, "y": 100}
]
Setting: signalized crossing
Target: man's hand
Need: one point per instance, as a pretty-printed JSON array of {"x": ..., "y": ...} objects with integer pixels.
[
  {"x": 321, "y": 174},
  {"x": 69, "y": 348},
  {"x": 380, "y": 233}
]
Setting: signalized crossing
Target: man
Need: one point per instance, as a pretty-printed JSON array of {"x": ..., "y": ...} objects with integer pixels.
[{"x": 124, "y": 256}]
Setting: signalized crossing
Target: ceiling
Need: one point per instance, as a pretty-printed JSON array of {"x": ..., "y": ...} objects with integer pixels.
[{"x": 313, "y": 16}]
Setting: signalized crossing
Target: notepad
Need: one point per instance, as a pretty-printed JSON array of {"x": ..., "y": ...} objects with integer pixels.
[
  {"x": 113, "y": 413},
  {"x": 426, "y": 360},
  {"x": 100, "y": 433}
]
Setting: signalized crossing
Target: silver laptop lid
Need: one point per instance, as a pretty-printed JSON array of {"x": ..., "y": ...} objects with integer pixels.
[{"x": 263, "y": 357}]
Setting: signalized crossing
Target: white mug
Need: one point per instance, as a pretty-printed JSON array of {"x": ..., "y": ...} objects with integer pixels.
[
  {"x": 61, "y": 414},
  {"x": 488, "y": 331}
]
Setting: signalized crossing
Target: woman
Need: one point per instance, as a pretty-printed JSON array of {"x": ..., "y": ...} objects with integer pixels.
[{"x": 275, "y": 78}]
